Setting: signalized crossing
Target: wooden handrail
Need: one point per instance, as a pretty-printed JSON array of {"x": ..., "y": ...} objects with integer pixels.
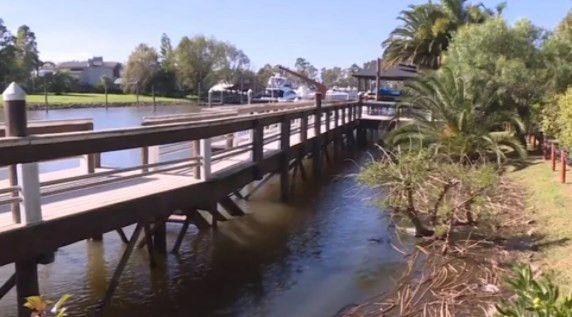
[{"x": 15, "y": 150}]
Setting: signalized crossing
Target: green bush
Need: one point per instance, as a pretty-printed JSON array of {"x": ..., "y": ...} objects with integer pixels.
[{"x": 534, "y": 297}]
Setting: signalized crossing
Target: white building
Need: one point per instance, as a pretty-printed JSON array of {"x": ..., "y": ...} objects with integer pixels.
[{"x": 90, "y": 72}]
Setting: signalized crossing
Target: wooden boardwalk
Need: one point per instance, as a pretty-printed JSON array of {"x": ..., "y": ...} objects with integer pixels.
[{"x": 188, "y": 163}]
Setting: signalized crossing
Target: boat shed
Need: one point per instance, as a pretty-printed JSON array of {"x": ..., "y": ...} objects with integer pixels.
[{"x": 368, "y": 79}]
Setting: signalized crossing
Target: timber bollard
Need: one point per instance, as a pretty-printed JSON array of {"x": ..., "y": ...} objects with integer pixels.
[
  {"x": 27, "y": 177},
  {"x": 553, "y": 155},
  {"x": 563, "y": 163}
]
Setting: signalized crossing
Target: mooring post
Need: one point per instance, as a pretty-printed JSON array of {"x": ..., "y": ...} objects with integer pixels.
[
  {"x": 564, "y": 165},
  {"x": 206, "y": 152},
  {"x": 553, "y": 155},
  {"x": 285, "y": 158},
  {"x": 29, "y": 211},
  {"x": 257, "y": 148},
  {"x": 316, "y": 152},
  {"x": 16, "y": 126},
  {"x": 210, "y": 99}
]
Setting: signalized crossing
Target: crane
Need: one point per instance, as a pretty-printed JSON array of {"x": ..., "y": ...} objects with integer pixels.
[{"x": 322, "y": 89}]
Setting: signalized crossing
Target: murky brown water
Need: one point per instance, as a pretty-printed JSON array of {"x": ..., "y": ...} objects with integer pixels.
[{"x": 328, "y": 248}]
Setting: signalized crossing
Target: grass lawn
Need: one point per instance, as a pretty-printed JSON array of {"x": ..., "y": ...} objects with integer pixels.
[
  {"x": 80, "y": 98},
  {"x": 551, "y": 204}
]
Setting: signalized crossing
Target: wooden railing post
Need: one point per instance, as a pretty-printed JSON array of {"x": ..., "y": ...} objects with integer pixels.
[
  {"x": 196, "y": 152},
  {"x": 154, "y": 155},
  {"x": 304, "y": 129},
  {"x": 30, "y": 208},
  {"x": 285, "y": 158},
  {"x": 337, "y": 134},
  {"x": 553, "y": 155},
  {"x": 257, "y": 148},
  {"x": 360, "y": 106},
  {"x": 206, "y": 153},
  {"x": 564, "y": 165},
  {"x": 316, "y": 152},
  {"x": 144, "y": 159}
]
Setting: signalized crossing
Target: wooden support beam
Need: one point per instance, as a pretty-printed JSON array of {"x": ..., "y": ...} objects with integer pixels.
[
  {"x": 258, "y": 148},
  {"x": 8, "y": 285},
  {"x": 122, "y": 235},
  {"x": 285, "y": 159},
  {"x": 259, "y": 185},
  {"x": 181, "y": 235},
  {"x": 302, "y": 169},
  {"x": 120, "y": 267},
  {"x": 231, "y": 207},
  {"x": 197, "y": 219},
  {"x": 212, "y": 208},
  {"x": 149, "y": 244},
  {"x": 317, "y": 145},
  {"x": 160, "y": 236},
  {"x": 26, "y": 284}
]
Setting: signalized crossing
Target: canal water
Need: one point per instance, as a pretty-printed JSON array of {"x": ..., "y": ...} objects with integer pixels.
[{"x": 326, "y": 249}]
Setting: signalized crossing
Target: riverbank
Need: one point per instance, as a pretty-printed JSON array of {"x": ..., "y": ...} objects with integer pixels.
[
  {"x": 531, "y": 227},
  {"x": 81, "y": 100},
  {"x": 550, "y": 209}
]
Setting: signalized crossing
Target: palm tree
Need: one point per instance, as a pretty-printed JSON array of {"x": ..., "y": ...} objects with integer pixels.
[
  {"x": 427, "y": 30},
  {"x": 420, "y": 40},
  {"x": 462, "y": 126}
]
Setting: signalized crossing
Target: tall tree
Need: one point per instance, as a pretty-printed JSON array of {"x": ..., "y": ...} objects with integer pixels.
[
  {"x": 198, "y": 60},
  {"x": 235, "y": 63},
  {"x": 167, "y": 57},
  {"x": 26, "y": 52},
  {"x": 141, "y": 69},
  {"x": 7, "y": 54},
  {"x": 166, "y": 77},
  {"x": 306, "y": 68},
  {"x": 497, "y": 56},
  {"x": 427, "y": 29}
]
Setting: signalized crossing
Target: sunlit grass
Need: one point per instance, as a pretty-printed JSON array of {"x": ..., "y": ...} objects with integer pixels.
[
  {"x": 79, "y": 98},
  {"x": 552, "y": 210}
]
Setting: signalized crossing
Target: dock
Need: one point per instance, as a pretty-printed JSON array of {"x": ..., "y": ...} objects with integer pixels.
[{"x": 192, "y": 167}]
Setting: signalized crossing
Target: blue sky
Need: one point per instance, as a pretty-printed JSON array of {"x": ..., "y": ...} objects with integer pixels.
[{"x": 327, "y": 33}]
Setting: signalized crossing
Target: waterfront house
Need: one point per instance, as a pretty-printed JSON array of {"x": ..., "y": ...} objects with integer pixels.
[{"x": 89, "y": 72}]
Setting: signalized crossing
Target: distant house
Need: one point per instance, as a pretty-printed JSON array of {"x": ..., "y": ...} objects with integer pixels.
[{"x": 90, "y": 72}]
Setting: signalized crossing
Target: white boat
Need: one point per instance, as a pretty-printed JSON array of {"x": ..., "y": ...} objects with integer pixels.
[
  {"x": 278, "y": 89},
  {"x": 341, "y": 94}
]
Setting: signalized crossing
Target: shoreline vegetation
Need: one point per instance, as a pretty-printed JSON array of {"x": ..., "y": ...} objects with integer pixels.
[
  {"x": 93, "y": 100},
  {"x": 531, "y": 228},
  {"x": 491, "y": 219}
]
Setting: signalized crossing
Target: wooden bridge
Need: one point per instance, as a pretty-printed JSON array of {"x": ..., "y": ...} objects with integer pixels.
[{"x": 192, "y": 166}]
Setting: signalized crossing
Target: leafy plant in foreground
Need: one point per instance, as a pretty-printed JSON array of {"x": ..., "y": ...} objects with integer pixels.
[
  {"x": 534, "y": 297},
  {"x": 40, "y": 306}
]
